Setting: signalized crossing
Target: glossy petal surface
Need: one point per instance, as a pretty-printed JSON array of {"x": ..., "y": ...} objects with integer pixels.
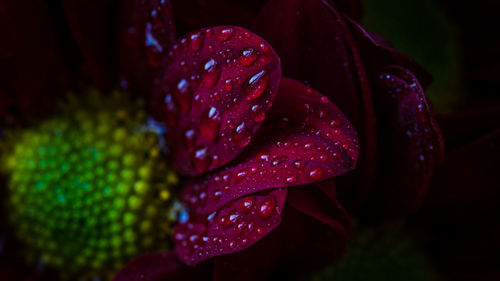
[
  {"x": 306, "y": 139},
  {"x": 234, "y": 227},
  {"x": 146, "y": 30},
  {"x": 218, "y": 86}
]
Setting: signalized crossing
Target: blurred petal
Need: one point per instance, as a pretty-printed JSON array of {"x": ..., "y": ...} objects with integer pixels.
[
  {"x": 315, "y": 46},
  {"x": 159, "y": 267},
  {"x": 218, "y": 86},
  {"x": 232, "y": 228},
  {"x": 410, "y": 142},
  {"x": 92, "y": 26},
  {"x": 33, "y": 65},
  {"x": 146, "y": 31},
  {"x": 306, "y": 139}
]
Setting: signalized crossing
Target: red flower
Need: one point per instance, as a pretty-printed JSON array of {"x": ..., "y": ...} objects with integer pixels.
[{"x": 218, "y": 86}]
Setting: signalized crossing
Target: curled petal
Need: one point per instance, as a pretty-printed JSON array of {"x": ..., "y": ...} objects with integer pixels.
[
  {"x": 217, "y": 88},
  {"x": 410, "y": 141},
  {"x": 306, "y": 139},
  {"x": 159, "y": 266},
  {"x": 234, "y": 227},
  {"x": 146, "y": 30}
]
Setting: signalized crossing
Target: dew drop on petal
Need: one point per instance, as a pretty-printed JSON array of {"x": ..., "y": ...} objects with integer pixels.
[
  {"x": 255, "y": 86},
  {"x": 210, "y": 123}
]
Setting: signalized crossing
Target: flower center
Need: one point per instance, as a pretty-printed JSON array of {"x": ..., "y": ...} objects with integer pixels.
[{"x": 89, "y": 190}]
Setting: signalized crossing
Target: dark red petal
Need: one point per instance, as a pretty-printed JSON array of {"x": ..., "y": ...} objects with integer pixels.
[
  {"x": 92, "y": 26},
  {"x": 196, "y": 14},
  {"x": 309, "y": 237},
  {"x": 315, "y": 45},
  {"x": 306, "y": 139},
  {"x": 410, "y": 141},
  {"x": 378, "y": 53},
  {"x": 146, "y": 30},
  {"x": 159, "y": 267},
  {"x": 232, "y": 228},
  {"x": 218, "y": 86},
  {"x": 33, "y": 66}
]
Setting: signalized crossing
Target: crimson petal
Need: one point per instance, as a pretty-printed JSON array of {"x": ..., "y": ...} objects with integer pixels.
[
  {"x": 410, "y": 141},
  {"x": 146, "y": 31},
  {"x": 306, "y": 139},
  {"x": 232, "y": 228},
  {"x": 218, "y": 86},
  {"x": 159, "y": 266}
]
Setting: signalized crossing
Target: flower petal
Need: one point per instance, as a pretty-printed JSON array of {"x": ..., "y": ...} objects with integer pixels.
[
  {"x": 410, "y": 142},
  {"x": 218, "y": 86},
  {"x": 306, "y": 139},
  {"x": 301, "y": 243},
  {"x": 232, "y": 228},
  {"x": 34, "y": 69},
  {"x": 92, "y": 28},
  {"x": 315, "y": 45},
  {"x": 146, "y": 30},
  {"x": 160, "y": 266}
]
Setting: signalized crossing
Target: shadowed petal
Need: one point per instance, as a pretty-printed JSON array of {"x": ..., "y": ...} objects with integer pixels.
[
  {"x": 34, "y": 69},
  {"x": 92, "y": 26},
  {"x": 315, "y": 45},
  {"x": 146, "y": 30},
  {"x": 159, "y": 267},
  {"x": 306, "y": 139},
  {"x": 410, "y": 141},
  {"x": 218, "y": 86},
  {"x": 234, "y": 227}
]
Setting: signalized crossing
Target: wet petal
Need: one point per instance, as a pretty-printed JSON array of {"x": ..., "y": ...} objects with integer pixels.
[
  {"x": 301, "y": 243},
  {"x": 92, "y": 28},
  {"x": 146, "y": 30},
  {"x": 160, "y": 266},
  {"x": 306, "y": 139},
  {"x": 232, "y": 228},
  {"x": 411, "y": 143},
  {"x": 217, "y": 88},
  {"x": 315, "y": 45},
  {"x": 34, "y": 69}
]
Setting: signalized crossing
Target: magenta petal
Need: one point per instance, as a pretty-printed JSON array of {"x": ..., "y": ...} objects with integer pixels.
[
  {"x": 306, "y": 139},
  {"x": 158, "y": 267},
  {"x": 218, "y": 86},
  {"x": 410, "y": 141},
  {"x": 230, "y": 229},
  {"x": 146, "y": 31}
]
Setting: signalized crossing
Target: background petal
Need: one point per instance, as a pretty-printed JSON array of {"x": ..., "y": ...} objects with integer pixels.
[
  {"x": 306, "y": 139},
  {"x": 146, "y": 31},
  {"x": 217, "y": 88}
]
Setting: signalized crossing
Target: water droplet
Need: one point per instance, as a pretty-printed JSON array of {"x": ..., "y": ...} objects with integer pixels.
[
  {"x": 246, "y": 204},
  {"x": 257, "y": 112},
  {"x": 291, "y": 180},
  {"x": 201, "y": 159},
  {"x": 196, "y": 40},
  {"x": 210, "y": 123},
  {"x": 324, "y": 99},
  {"x": 266, "y": 208},
  {"x": 228, "y": 84},
  {"x": 240, "y": 176},
  {"x": 189, "y": 139},
  {"x": 265, "y": 48},
  {"x": 242, "y": 136},
  {"x": 248, "y": 56},
  {"x": 225, "y": 33},
  {"x": 210, "y": 74},
  {"x": 299, "y": 164},
  {"x": 255, "y": 86},
  {"x": 316, "y": 174},
  {"x": 183, "y": 95}
]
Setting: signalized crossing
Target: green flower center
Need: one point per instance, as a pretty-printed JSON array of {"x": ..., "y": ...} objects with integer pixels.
[{"x": 89, "y": 190}]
